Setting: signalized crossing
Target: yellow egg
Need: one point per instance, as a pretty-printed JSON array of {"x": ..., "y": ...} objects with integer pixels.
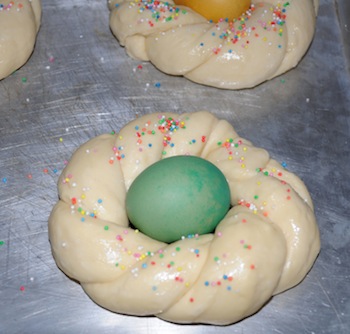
[{"x": 217, "y": 9}]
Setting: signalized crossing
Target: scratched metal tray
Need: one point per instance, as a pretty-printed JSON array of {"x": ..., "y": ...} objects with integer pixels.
[{"x": 79, "y": 83}]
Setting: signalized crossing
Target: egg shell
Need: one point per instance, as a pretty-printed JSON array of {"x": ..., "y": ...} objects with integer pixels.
[
  {"x": 217, "y": 9},
  {"x": 178, "y": 197}
]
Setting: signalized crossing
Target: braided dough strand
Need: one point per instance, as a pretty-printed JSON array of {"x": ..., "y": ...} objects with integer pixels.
[
  {"x": 266, "y": 243},
  {"x": 263, "y": 43},
  {"x": 19, "y": 25}
]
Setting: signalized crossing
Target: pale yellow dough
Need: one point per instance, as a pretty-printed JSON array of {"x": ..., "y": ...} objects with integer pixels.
[
  {"x": 259, "y": 46},
  {"x": 266, "y": 244},
  {"x": 19, "y": 25}
]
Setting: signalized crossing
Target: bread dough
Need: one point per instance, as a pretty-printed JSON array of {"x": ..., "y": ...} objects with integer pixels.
[
  {"x": 265, "y": 42},
  {"x": 19, "y": 25},
  {"x": 266, "y": 243}
]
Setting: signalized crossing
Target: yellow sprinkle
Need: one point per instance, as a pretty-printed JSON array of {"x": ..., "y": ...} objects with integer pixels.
[
  {"x": 61, "y": 140},
  {"x": 243, "y": 165},
  {"x": 179, "y": 269},
  {"x": 122, "y": 267},
  {"x": 83, "y": 196}
]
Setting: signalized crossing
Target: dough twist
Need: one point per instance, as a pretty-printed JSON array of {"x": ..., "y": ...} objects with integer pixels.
[
  {"x": 263, "y": 43},
  {"x": 19, "y": 25},
  {"x": 265, "y": 244}
]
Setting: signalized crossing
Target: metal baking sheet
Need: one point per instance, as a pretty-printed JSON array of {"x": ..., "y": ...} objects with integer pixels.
[{"x": 79, "y": 83}]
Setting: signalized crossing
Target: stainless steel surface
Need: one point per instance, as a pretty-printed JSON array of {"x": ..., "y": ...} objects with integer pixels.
[{"x": 79, "y": 83}]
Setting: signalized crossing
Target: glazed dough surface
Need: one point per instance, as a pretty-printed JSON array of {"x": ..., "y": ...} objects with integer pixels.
[
  {"x": 266, "y": 243},
  {"x": 19, "y": 25},
  {"x": 265, "y": 42}
]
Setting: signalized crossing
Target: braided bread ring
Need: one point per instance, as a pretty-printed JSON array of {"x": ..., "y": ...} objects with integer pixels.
[
  {"x": 265, "y": 42},
  {"x": 266, "y": 243},
  {"x": 19, "y": 25}
]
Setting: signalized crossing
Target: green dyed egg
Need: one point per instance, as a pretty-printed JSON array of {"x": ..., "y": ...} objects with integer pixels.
[{"x": 178, "y": 197}]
